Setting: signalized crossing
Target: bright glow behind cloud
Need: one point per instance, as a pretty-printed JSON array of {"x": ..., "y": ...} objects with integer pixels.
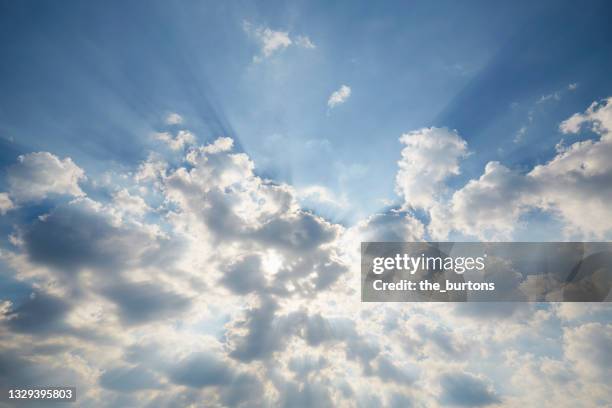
[{"x": 201, "y": 280}]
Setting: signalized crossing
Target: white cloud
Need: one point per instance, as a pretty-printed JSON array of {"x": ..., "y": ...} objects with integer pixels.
[
  {"x": 429, "y": 157},
  {"x": 520, "y": 134},
  {"x": 574, "y": 186},
  {"x": 130, "y": 204},
  {"x": 174, "y": 118},
  {"x": 246, "y": 298},
  {"x": 37, "y": 175},
  {"x": 598, "y": 115},
  {"x": 321, "y": 195},
  {"x": 272, "y": 42},
  {"x": 182, "y": 139},
  {"x": 589, "y": 347},
  {"x": 572, "y": 86},
  {"x": 487, "y": 207},
  {"x": 304, "y": 42},
  {"x": 556, "y": 96},
  {"x": 390, "y": 226},
  {"x": 339, "y": 97},
  {"x": 6, "y": 204}
]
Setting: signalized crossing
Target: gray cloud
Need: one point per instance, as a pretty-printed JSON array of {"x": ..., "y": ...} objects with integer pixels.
[
  {"x": 466, "y": 390},
  {"x": 244, "y": 276},
  {"x": 288, "y": 335},
  {"x": 144, "y": 302},
  {"x": 40, "y": 314},
  {"x": 129, "y": 379},
  {"x": 201, "y": 370},
  {"x": 76, "y": 235}
]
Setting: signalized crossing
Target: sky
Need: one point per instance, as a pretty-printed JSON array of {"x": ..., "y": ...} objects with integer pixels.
[{"x": 184, "y": 187}]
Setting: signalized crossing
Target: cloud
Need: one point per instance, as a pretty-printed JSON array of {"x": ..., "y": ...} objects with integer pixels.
[
  {"x": 38, "y": 175},
  {"x": 182, "y": 139},
  {"x": 304, "y": 42},
  {"x": 144, "y": 302},
  {"x": 430, "y": 157},
  {"x": 245, "y": 275},
  {"x": 392, "y": 226},
  {"x": 321, "y": 196},
  {"x": 40, "y": 314},
  {"x": 173, "y": 118},
  {"x": 130, "y": 204},
  {"x": 466, "y": 390},
  {"x": 598, "y": 115},
  {"x": 216, "y": 285},
  {"x": 129, "y": 379},
  {"x": 273, "y": 42},
  {"x": 486, "y": 207},
  {"x": 81, "y": 234},
  {"x": 339, "y": 97},
  {"x": 589, "y": 347},
  {"x": 572, "y": 187},
  {"x": 6, "y": 204},
  {"x": 556, "y": 96},
  {"x": 265, "y": 333},
  {"x": 201, "y": 370}
]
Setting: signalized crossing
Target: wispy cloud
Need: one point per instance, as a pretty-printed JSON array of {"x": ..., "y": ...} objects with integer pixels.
[
  {"x": 339, "y": 97},
  {"x": 174, "y": 118},
  {"x": 272, "y": 42}
]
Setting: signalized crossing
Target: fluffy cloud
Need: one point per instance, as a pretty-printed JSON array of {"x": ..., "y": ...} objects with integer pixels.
[
  {"x": 466, "y": 390},
  {"x": 38, "y": 175},
  {"x": 273, "y": 42},
  {"x": 574, "y": 186},
  {"x": 217, "y": 285},
  {"x": 6, "y": 204},
  {"x": 182, "y": 139},
  {"x": 339, "y": 97},
  {"x": 598, "y": 115},
  {"x": 130, "y": 204},
  {"x": 589, "y": 347},
  {"x": 487, "y": 207},
  {"x": 431, "y": 156}
]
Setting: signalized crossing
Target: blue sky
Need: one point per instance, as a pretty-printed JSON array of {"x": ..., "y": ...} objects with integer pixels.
[
  {"x": 184, "y": 187},
  {"x": 93, "y": 82}
]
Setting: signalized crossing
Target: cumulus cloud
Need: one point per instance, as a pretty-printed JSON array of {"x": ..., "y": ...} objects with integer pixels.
[
  {"x": 589, "y": 347},
  {"x": 487, "y": 207},
  {"x": 182, "y": 139},
  {"x": 339, "y": 97},
  {"x": 40, "y": 314},
  {"x": 201, "y": 370},
  {"x": 217, "y": 285},
  {"x": 141, "y": 302},
  {"x": 573, "y": 186},
  {"x": 466, "y": 390},
  {"x": 81, "y": 234},
  {"x": 431, "y": 156},
  {"x": 392, "y": 226},
  {"x": 272, "y": 42},
  {"x": 6, "y": 204},
  {"x": 129, "y": 203},
  {"x": 38, "y": 175}
]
